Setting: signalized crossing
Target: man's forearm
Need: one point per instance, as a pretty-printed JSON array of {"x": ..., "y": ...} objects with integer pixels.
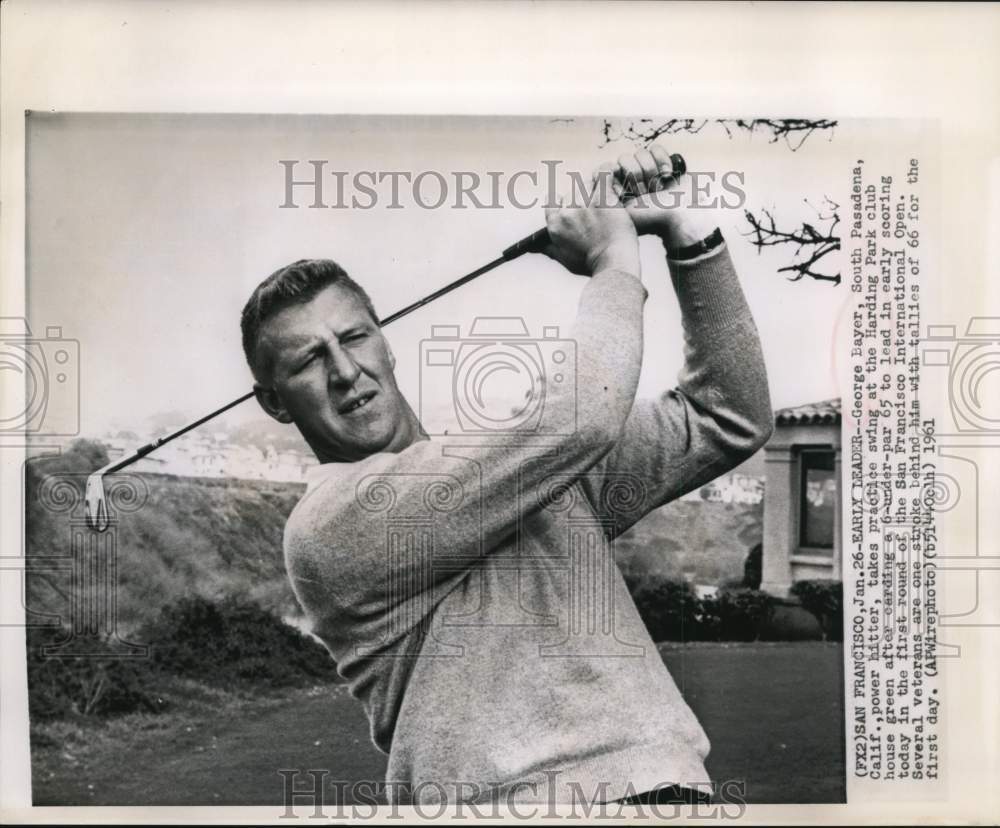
[
  {"x": 724, "y": 372},
  {"x": 608, "y": 334}
]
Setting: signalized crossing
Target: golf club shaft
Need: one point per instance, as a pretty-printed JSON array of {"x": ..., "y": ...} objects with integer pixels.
[
  {"x": 150, "y": 447},
  {"x": 439, "y": 293},
  {"x": 534, "y": 243}
]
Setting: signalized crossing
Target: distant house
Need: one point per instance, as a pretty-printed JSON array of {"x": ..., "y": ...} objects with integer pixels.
[
  {"x": 732, "y": 488},
  {"x": 214, "y": 456},
  {"x": 802, "y": 497},
  {"x": 156, "y": 465},
  {"x": 288, "y": 465},
  {"x": 245, "y": 462}
]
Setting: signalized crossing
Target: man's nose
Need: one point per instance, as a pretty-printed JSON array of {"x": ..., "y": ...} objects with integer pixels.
[{"x": 342, "y": 369}]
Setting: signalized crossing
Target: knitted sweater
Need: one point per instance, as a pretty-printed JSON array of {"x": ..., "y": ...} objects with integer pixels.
[{"x": 467, "y": 588}]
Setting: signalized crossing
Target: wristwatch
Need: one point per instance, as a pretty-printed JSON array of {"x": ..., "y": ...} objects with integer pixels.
[{"x": 700, "y": 248}]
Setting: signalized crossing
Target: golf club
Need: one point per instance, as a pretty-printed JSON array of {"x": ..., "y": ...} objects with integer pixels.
[{"x": 95, "y": 501}]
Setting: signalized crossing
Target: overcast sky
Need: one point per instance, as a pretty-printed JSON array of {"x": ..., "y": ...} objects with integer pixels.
[{"x": 147, "y": 233}]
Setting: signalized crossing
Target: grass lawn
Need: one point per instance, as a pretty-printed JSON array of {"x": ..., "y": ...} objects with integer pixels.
[{"x": 772, "y": 711}]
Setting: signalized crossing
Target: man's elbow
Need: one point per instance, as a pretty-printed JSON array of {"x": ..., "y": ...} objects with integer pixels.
[
  {"x": 595, "y": 439},
  {"x": 760, "y": 429},
  {"x": 750, "y": 435},
  {"x": 763, "y": 428}
]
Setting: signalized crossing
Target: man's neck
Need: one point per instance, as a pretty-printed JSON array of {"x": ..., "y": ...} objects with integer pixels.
[{"x": 409, "y": 432}]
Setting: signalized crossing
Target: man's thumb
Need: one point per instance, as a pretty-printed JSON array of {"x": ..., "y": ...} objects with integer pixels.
[{"x": 607, "y": 190}]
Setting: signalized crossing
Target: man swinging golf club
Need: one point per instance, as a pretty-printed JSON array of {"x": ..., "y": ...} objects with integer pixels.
[{"x": 464, "y": 586}]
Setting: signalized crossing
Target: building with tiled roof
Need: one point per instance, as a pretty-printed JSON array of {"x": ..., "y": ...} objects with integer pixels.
[
  {"x": 827, "y": 411},
  {"x": 802, "y": 497}
]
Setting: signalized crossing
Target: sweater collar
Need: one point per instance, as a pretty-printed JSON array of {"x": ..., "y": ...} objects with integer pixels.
[{"x": 315, "y": 475}]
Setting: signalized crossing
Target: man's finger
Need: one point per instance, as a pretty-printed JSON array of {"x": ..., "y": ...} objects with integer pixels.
[
  {"x": 604, "y": 185},
  {"x": 607, "y": 169},
  {"x": 552, "y": 209},
  {"x": 606, "y": 191},
  {"x": 664, "y": 163},
  {"x": 650, "y": 168},
  {"x": 631, "y": 174}
]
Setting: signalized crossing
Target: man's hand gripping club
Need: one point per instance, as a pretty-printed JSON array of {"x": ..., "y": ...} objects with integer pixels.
[{"x": 642, "y": 187}]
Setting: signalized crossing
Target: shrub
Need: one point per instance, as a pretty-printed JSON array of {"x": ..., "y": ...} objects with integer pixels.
[
  {"x": 84, "y": 686},
  {"x": 753, "y": 567},
  {"x": 790, "y": 621},
  {"x": 234, "y": 640},
  {"x": 735, "y": 614},
  {"x": 669, "y": 609},
  {"x": 825, "y": 600}
]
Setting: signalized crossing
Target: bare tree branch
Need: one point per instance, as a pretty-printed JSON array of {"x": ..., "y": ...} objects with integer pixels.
[
  {"x": 817, "y": 243},
  {"x": 793, "y": 131}
]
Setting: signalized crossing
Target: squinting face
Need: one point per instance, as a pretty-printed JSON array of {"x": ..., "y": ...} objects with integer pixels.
[{"x": 331, "y": 372}]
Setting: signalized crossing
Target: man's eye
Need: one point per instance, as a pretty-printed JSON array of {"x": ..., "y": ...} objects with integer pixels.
[{"x": 305, "y": 363}]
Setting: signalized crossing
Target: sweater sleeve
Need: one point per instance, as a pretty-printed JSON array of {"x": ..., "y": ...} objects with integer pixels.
[
  {"x": 400, "y": 530},
  {"x": 718, "y": 415}
]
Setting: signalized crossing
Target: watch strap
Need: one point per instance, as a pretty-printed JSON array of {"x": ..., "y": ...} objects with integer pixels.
[{"x": 700, "y": 248}]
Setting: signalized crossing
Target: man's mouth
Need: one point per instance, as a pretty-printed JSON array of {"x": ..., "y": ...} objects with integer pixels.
[{"x": 356, "y": 403}]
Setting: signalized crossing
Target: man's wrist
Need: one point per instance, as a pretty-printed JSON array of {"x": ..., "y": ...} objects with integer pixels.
[
  {"x": 616, "y": 257},
  {"x": 688, "y": 252},
  {"x": 685, "y": 227}
]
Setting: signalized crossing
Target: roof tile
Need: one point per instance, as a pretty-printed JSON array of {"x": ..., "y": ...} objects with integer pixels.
[{"x": 826, "y": 411}]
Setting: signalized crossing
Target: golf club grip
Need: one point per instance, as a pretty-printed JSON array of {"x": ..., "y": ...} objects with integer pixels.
[{"x": 539, "y": 240}]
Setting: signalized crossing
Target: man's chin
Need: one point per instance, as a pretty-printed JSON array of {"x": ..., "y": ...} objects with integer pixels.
[{"x": 359, "y": 446}]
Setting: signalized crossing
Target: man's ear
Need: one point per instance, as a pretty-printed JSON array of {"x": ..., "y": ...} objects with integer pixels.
[{"x": 270, "y": 401}]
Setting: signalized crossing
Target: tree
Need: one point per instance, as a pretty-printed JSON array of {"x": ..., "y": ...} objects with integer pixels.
[
  {"x": 812, "y": 241},
  {"x": 793, "y": 131},
  {"x": 812, "y": 244}
]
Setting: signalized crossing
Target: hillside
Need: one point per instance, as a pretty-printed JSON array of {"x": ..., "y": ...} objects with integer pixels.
[
  {"x": 219, "y": 537},
  {"x": 210, "y": 537},
  {"x": 690, "y": 539}
]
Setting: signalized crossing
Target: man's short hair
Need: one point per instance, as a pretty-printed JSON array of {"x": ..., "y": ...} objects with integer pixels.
[{"x": 293, "y": 284}]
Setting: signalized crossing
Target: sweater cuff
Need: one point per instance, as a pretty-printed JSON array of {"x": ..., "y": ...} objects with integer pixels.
[{"x": 708, "y": 290}]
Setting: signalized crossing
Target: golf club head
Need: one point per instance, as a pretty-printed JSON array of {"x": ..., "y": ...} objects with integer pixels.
[{"x": 95, "y": 502}]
